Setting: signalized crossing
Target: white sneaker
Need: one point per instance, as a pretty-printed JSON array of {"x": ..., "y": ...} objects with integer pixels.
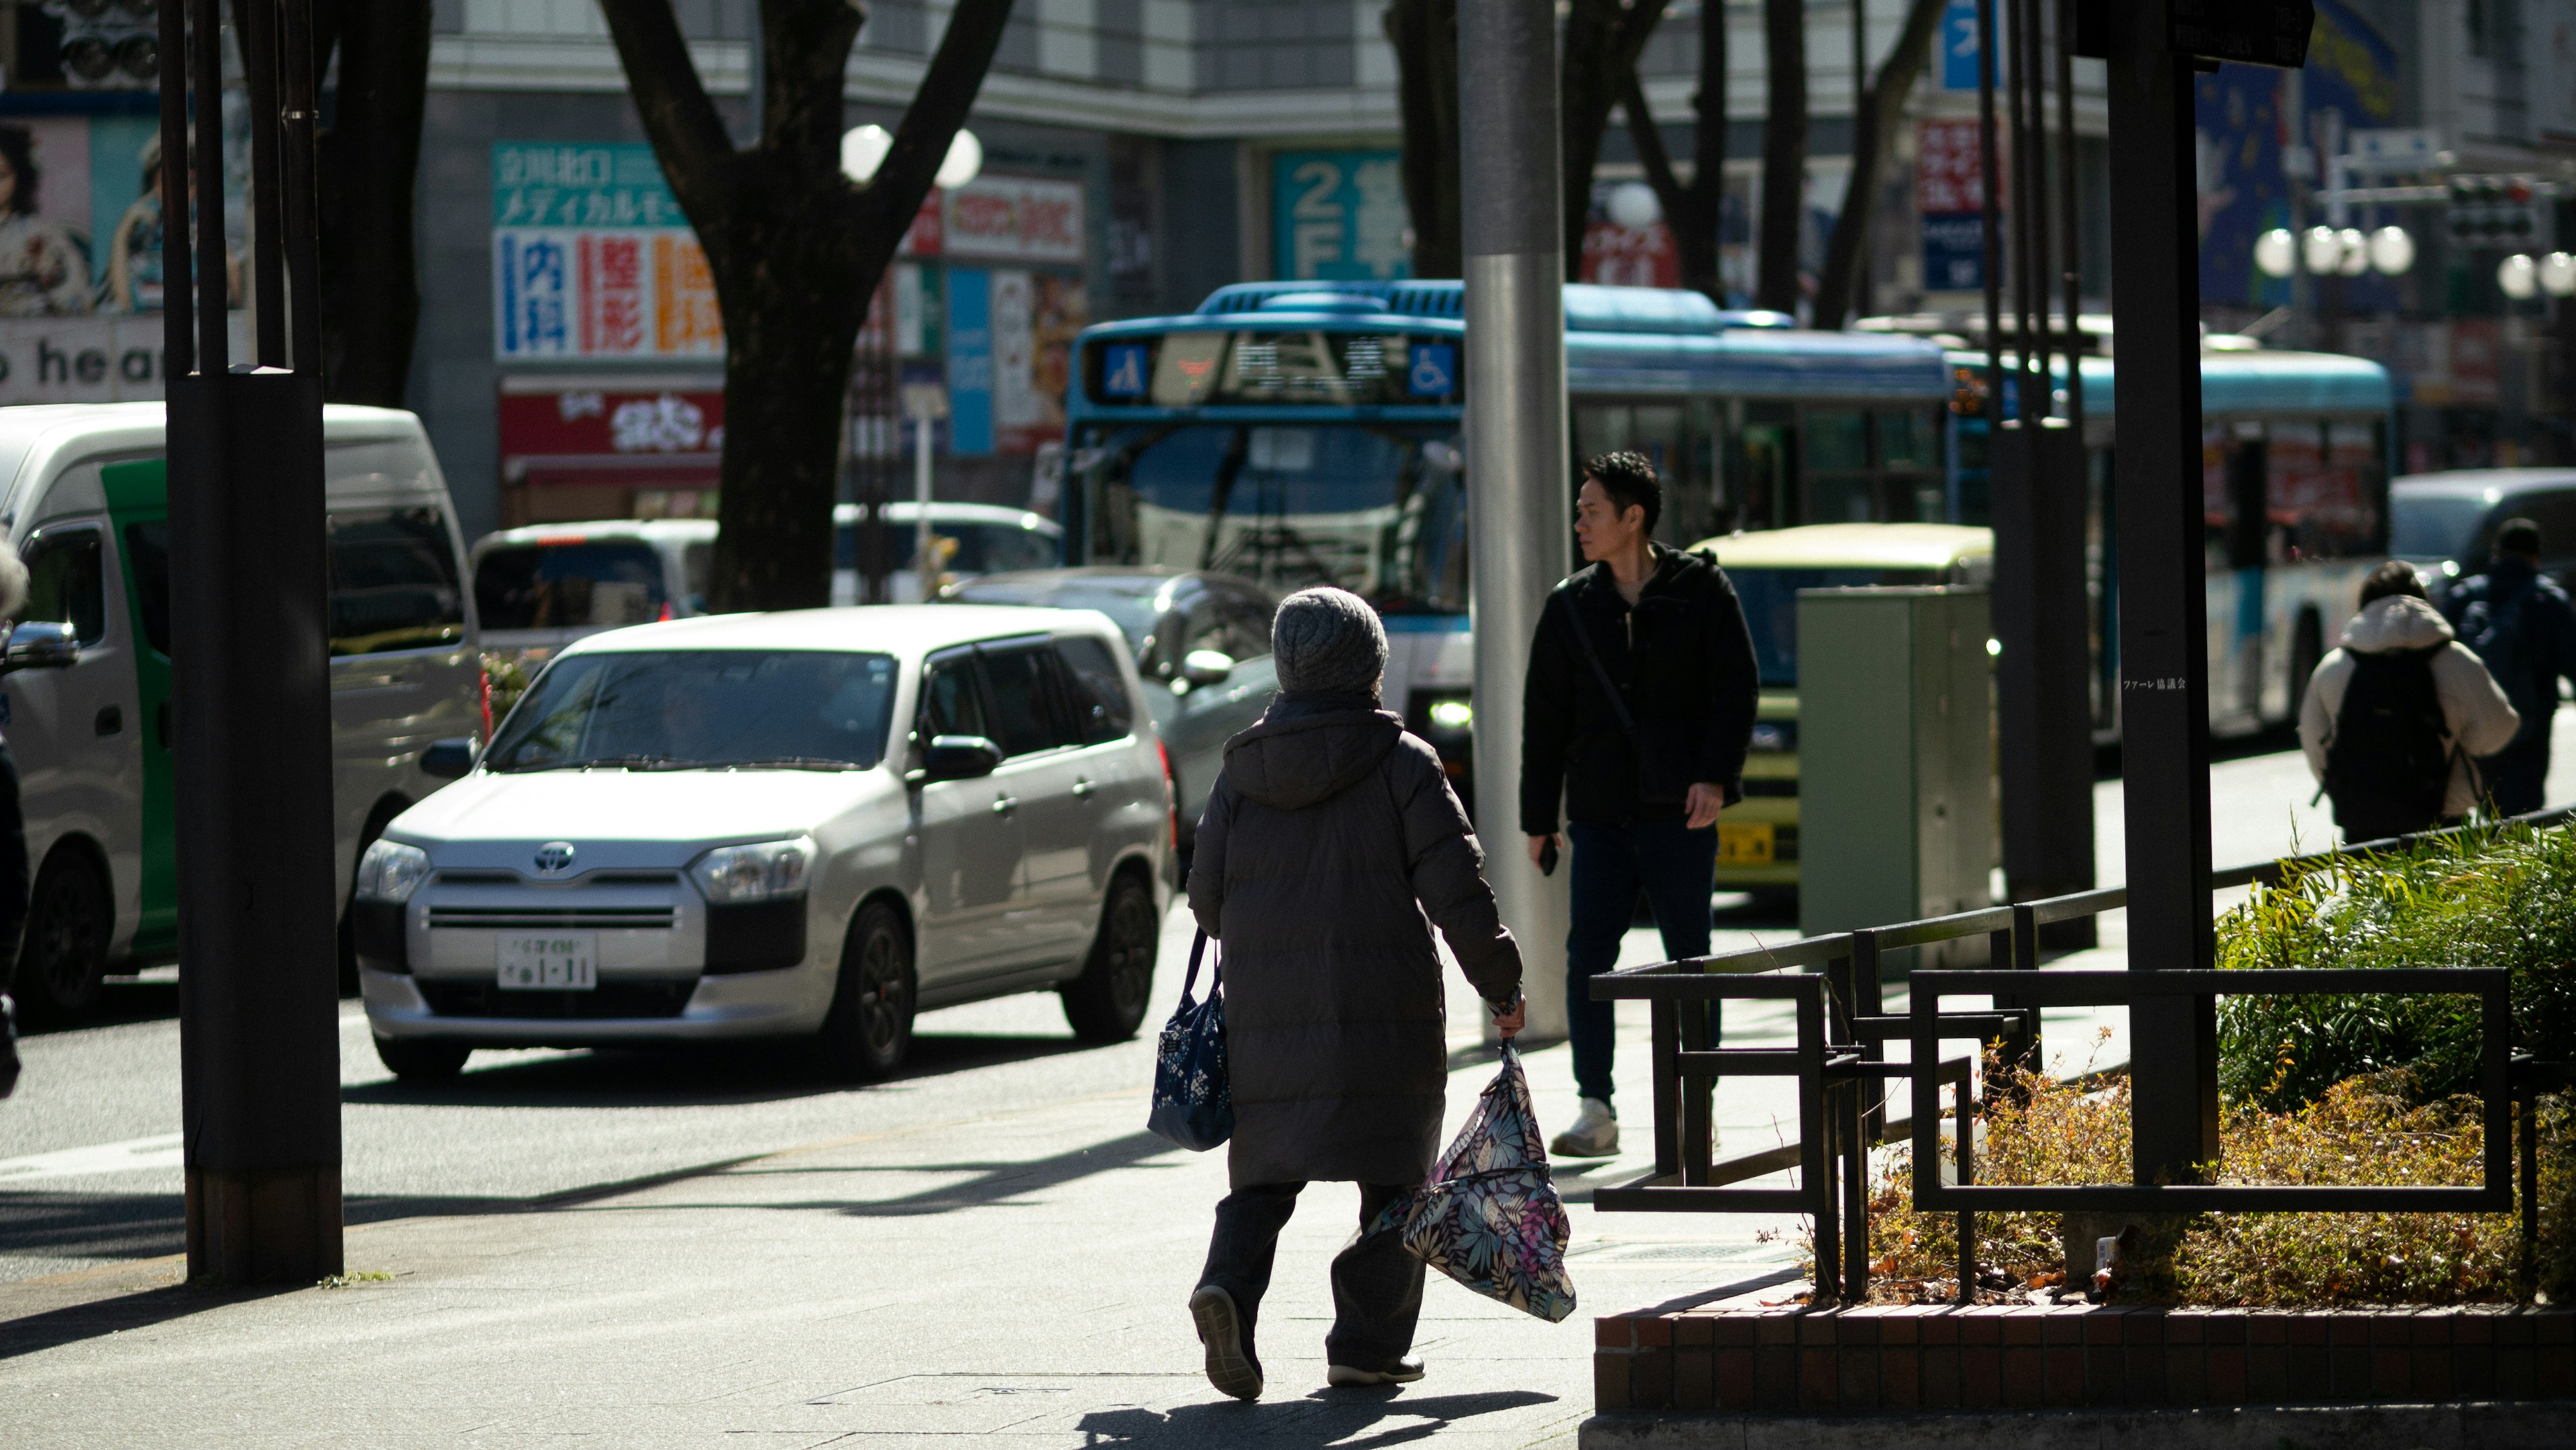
[{"x": 1595, "y": 1133}]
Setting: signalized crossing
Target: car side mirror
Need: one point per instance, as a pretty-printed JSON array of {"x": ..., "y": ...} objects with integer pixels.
[
  {"x": 41, "y": 645},
  {"x": 959, "y": 757},
  {"x": 1207, "y": 666},
  {"x": 448, "y": 759}
]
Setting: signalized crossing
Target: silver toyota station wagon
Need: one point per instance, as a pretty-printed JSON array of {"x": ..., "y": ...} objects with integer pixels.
[{"x": 808, "y": 824}]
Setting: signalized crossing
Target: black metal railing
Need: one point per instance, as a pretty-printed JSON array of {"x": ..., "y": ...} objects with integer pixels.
[{"x": 1837, "y": 988}]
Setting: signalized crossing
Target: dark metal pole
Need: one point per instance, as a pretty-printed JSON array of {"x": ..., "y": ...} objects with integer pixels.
[
  {"x": 2164, "y": 639},
  {"x": 2070, "y": 229},
  {"x": 1990, "y": 230},
  {"x": 258, "y": 1015}
]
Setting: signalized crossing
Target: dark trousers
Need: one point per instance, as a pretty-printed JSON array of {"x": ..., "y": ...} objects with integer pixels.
[
  {"x": 1675, "y": 866},
  {"x": 1377, "y": 1286},
  {"x": 2517, "y": 776}
]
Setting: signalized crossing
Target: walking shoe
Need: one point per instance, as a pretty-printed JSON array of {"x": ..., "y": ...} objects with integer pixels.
[
  {"x": 1403, "y": 1372},
  {"x": 1595, "y": 1133},
  {"x": 1230, "y": 1365}
]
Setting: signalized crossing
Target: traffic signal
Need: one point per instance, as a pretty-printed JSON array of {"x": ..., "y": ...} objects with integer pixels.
[
  {"x": 2495, "y": 211},
  {"x": 109, "y": 44}
]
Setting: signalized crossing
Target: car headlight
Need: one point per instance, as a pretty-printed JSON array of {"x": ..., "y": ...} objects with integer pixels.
[
  {"x": 1775, "y": 736},
  {"x": 1452, "y": 715},
  {"x": 391, "y": 871},
  {"x": 761, "y": 871}
]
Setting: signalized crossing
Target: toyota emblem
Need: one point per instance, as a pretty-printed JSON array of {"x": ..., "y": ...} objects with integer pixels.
[{"x": 554, "y": 858}]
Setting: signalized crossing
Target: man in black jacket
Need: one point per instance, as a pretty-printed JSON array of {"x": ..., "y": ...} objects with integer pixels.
[
  {"x": 2519, "y": 621},
  {"x": 1639, "y": 723}
]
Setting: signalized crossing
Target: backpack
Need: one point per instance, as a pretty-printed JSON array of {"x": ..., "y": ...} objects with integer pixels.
[
  {"x": 2493, "y": 628},
  {"x": 2388, "y": 763}
]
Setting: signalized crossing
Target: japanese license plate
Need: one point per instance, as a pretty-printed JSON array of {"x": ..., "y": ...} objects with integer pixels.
[
  {"x": 561, "y": 962},
  {"x": 1748, "y": 844}
]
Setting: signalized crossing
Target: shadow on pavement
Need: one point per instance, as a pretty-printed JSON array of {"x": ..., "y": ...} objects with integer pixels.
[
  {"x": 120, "y": 1002},
  {"x": 39, "y": 1225},
  {"x": 1350, "y": 1419},
  {"x": 102, "y": 1317},
  {"x": 993, "y": 1183},
  {"x": 688, "y": 1076}
]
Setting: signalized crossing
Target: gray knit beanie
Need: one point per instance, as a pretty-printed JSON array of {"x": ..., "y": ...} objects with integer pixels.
[{"x": 1327, "y": 639}]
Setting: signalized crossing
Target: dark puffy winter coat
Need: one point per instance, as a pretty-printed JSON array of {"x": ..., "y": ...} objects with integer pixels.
[
  {"x": 2538, "y": 650},
  {"x": 1331, "y": 845},
  {"x": 1683, "y": 662}
]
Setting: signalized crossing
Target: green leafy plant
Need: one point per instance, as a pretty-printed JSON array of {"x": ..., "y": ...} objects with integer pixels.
[{"x": 2496, "y": 898}]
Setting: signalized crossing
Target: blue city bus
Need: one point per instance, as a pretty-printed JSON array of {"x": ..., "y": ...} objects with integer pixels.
[
  {"x": 2295, "y": 463},
  {"x": 1302, "y": 433}
]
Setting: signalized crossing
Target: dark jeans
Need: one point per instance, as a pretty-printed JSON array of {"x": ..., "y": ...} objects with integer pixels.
[
  {"x": 1377, "y": 1286},
  {"x": 1676, "y": 867},
  {"x": 2516, "y": 777}
]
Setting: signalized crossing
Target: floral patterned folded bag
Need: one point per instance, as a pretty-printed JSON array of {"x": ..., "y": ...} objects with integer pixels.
[
  {"x": 1489, "y": 1217},
  {"x": 1193, "y": 1098}
]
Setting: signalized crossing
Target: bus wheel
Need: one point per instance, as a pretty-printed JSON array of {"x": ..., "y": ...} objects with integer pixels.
[{"x": 63, "y": 963}]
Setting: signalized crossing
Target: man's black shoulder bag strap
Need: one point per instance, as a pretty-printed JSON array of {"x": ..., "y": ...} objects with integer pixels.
[{"x": 1583, "y": 640}]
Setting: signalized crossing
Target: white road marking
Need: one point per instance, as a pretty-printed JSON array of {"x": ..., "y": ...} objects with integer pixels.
[{"x": 162, "y": 1151}]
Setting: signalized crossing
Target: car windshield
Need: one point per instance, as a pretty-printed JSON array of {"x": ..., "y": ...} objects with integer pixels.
[
  {"x": 1377, "y": 509},
  {"x": 1133, "y": 613},
  {"x": 570, "y": 585},
  {"x": 702, "y": 709},
  {"x": 1770, "y": 599},
  {"x": 2436, "y": 526},
  {"x": 981, "y": 548}
]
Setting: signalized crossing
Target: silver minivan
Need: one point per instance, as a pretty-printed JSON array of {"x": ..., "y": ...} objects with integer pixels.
[
  {"x": 806, "y": 824},
  {"x": 86, "y": 507}
]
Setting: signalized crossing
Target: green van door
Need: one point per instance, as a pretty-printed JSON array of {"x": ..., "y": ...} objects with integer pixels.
[{"x": 138, "y": 508}]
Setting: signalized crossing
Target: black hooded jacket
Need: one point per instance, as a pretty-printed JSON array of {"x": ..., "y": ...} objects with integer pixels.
[{"x": 1683, "y": 663}]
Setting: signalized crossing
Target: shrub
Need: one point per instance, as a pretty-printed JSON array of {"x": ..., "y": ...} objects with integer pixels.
[
  {"x": 2500, "y": 898},
  {"x": 2374, "y": 1131}
]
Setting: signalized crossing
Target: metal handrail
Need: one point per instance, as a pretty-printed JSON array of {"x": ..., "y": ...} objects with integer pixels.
[{"x": 1841, "y": 1021}]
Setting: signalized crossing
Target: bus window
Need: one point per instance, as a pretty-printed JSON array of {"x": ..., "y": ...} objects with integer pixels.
[
  {"x": 1761, "y": 460},
  {"x": 1839, "y": 486},
  {"x": 1912, "y": 489}
]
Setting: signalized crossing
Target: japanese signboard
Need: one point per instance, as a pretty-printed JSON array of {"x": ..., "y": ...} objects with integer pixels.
[
  {"x": 592, "y": 258},
  {"x": 1013, "y": 219},
  {"x": 1950, "y": 191},
  {"x": 1339, "y": 215}
]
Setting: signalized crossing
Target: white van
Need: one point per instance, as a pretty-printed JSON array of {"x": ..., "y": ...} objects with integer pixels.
[
  {"x": 85, "y": 503},
  {"x": 539, "y": 587}
]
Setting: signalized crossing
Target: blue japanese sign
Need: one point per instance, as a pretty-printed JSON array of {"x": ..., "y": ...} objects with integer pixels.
[
  {"x": 552, "y": 184},
  {"x": 1433, "y": 372},
  {"x": 970, "y": 361},
  {"x": 1339, "y": 215},
  {"x": 1954, "y": 253},
  {"x": 1122, "y": 370},
  {"x": 1959, "y": 46}
]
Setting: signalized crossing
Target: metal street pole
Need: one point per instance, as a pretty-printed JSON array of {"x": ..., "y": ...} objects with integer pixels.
[
  {"x": 258, "y": 950},
  {"x": 1518, "y": 461},
  {"x": 2164, "y": 639}
]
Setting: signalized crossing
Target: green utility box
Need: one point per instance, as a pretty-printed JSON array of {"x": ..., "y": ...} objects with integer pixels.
[{"x": 1895, "y": 760}]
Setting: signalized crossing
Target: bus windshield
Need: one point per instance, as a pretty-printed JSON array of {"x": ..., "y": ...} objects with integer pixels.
[{"x": 1377, "y": 509}]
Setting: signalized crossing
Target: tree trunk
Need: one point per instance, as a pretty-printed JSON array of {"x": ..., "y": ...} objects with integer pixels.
[
  {"x": 366, "y": 167},
  {"x": 795, "y": 250},
  {"x": 1424, "y": 34},
  {"x": 1882, "y": 111},
  {"x": 1692, "y": 212},
  {"x": 1784, "y": 154},
  {"x": 1602, "y": 43}
]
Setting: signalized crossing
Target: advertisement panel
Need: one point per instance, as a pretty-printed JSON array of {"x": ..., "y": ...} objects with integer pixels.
[
  {"x": 1339, "y": 215},
  {"x": 1013, "y": 219},
  {"x": 593, "y": 258},
  {"x": 1949, "y": 189}
]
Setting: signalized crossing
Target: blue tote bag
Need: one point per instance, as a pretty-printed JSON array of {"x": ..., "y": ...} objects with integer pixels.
[{"x": 1193, "y": 1106}]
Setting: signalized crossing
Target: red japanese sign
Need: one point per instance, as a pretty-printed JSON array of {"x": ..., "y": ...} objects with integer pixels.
[
  {"x": 1948, "y": 167},
  {"x": 579, "y": 422}
]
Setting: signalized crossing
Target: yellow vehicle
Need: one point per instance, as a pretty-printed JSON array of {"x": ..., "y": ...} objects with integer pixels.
[{"x": 1757, "y": 838}]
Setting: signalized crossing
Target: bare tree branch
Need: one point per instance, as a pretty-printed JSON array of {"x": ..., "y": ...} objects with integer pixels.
[
  {"x": 939, "y": 106},
  {"x": 688, "y": 136},
  {"x": 1784, "y": 154},
  {"x": 1882, "y": 111}
]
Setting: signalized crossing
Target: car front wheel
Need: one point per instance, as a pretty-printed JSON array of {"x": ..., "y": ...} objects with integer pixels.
[
  {"x": 1107, "y": 1002},
  {"x": 868, "y": 1032},
  {"x": 422, "y": 1059},
  {"x": 63, "y": 965}
]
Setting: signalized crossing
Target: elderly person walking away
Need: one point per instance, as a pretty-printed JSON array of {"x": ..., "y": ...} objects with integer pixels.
[
  {"x": 2395, "y": 717},
  {"x": 1331, "y": 846}
]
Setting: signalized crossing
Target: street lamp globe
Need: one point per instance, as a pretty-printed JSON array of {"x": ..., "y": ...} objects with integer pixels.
[
  {"x": 2276, "y": 253},
  {"x": 2392, "y": 251},
  {"x": 1634, "y": 205},
  {"x": 2519, "y": 276},
  {"x": 965, "y": 158},
  {"x": 863, "y": 150},
  {"x": 2558, "y": 274},
  {"x": 2356, "y": 252},
  {"x": 2322, "y": 249}
]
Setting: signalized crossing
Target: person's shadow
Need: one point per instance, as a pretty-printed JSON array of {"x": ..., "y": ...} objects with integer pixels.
[{"x": 1325, "y": 1417}]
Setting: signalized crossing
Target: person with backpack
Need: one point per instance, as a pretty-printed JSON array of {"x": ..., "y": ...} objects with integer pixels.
[
  {"x": 1636, "y": 714},
  {"x": 2519, "y": 622},
  {"x": 2395, "y": 718},
  {"x": 1331, "y": 847}
]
